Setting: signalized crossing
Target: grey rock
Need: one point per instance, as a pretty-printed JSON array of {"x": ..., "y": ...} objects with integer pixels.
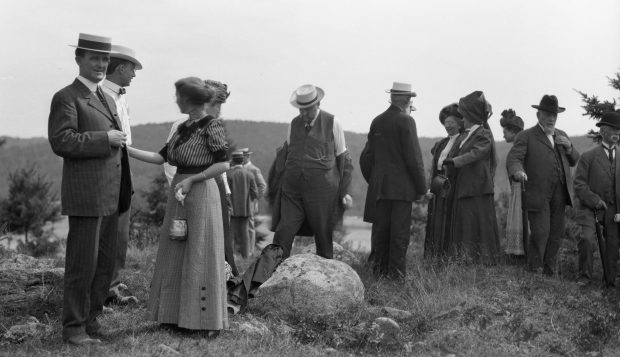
[
  {"x": 30, "y": 330},
  {"x": 340, "y": 253}
]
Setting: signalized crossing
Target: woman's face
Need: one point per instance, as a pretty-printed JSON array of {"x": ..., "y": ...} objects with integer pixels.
[
  {"x": 452, "y": 125},
  {"x": 182, "y": 103},
  {"x": 214, "y": 109}
]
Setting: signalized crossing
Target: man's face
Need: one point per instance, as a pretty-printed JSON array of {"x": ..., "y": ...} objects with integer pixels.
[
  {"x": 127, "y": 71},
  {"x": 610, "y": 135},
  {"x": 547, "y": 120},
  {"x": 309, "y": 113},
  {"x": 93, "y": 65}
]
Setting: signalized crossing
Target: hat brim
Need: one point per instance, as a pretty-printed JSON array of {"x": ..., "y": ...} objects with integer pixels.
[
  {"x": 127, "y": 58},
  {"x": 319, "y": 96},
  {"x": 92, "y": 49},
  {"x": 547, "y": 109},
  {"x": 616, "y": 126},
  {"x": 399, "y": 92}
]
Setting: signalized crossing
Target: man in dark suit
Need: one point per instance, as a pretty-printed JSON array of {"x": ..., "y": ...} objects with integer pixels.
[
  {"x": 393, "y": 160},
  {"x": 243, "y": 192},
  {"x": 541, "y": 158},
  {"x": 84, "y": 130},
  {"x": 597, "y": 185}
]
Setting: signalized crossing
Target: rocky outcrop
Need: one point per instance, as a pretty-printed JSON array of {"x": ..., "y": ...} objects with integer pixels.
[
  {"x": 310, "y": 285},
  {"x": 340, "y": 253}
]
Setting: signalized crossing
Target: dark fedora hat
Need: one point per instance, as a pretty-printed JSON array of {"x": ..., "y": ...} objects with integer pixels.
[
  {"x": 610, "y": 119},
  {"x": 549, "y": 103}
]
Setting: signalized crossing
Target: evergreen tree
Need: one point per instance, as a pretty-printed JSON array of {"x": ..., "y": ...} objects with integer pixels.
[
  {"x": 30, "y": 203},
  {"x": 594, "y": 107}
]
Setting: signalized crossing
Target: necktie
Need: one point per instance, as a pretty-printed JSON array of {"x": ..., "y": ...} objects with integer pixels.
[
  {"x": 105, "y": 103},
  {"x": 121, "y": 91},
  {"x": 308, "y": 127},
  {"x": 610, "y": 154}
]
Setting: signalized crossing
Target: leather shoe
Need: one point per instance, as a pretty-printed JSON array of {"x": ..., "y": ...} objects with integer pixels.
[{"x": 82, "y": 340}]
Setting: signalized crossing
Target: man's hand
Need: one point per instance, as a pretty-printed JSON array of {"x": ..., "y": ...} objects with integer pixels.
[
  {"x": 117, "y": 138},
  {"x": 520, "y": 176},
  {"x": 448, "y": 162},
  {"x": 562, "y": 140},
  {"x": 347, "y": 201},
  {"x": 601, "y": 205}
]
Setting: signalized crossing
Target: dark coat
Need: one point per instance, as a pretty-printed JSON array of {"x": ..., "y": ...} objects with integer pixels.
[
  {"x": 474, "y": 162},
  {"x": 243, "y": 191},
  {"x": 393, "y": 159},
  {"x": 594, "y": 179},
  {"x": 92, "y": 169},
  {"x": 532, "y": 153}
]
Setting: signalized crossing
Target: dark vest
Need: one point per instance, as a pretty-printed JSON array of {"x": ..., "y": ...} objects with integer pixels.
[{"x": 313, "y": 149}]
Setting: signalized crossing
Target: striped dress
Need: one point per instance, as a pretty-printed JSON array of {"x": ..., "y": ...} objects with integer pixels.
[{"x": 189, "y": 283}]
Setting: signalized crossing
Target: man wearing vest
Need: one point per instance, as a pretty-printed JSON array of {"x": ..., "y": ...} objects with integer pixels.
[
  {"x": 541, "y": 158},
  {"x": 597, "y": 185},
  {"x": 121, "y": 70},
  {"x": 317, "y": 174}
]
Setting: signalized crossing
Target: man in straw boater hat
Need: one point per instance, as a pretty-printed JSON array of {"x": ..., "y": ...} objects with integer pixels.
[
  {"x": 316, "y": 175},
  {"x": 392, "y": 164},
  {"x": 597, "y": 185},
  {"x": 244, "y": 191},
  {"x": 84, "y": 129},
  {"x": 121, "y": 70},
  {"x": 541, "y": 158}
]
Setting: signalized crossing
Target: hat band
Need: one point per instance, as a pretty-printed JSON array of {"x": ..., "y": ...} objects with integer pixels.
[
  {"x": 94, "y": 45},
  {"x": 306, "y": 103}
]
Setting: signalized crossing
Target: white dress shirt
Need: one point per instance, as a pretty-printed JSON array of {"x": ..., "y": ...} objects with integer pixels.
[
  {"x": 339, "y": 142},
  {"x": 112, "y": 89},
  {"x": 88, "y": 83},
  {"x": 446, "y": 150},
  {"x": 549, "y": 136}
]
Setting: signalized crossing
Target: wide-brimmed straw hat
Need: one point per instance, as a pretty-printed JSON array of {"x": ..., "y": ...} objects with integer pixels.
[
  {"x": 94, "y": 43},
  {"x": 549, "y": 103},
  {"x": 400, "y": 88},
  {"x": 306, "y": 96},
  {"x": 125, "y": 53}
]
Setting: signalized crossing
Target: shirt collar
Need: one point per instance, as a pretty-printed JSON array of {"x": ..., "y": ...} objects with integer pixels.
[
  {"x": 111, "y": 86},
  {"x": 316, "y": 116},
  {"x": 88, "y": 83},
  {"x": 607, "y": 146}
]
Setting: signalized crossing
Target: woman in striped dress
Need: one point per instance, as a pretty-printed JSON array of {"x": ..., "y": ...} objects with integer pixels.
[{"x": 188, "y": 289}]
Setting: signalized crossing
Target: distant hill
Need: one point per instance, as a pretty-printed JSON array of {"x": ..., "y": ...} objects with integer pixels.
[{"x": 261, "y": 137}]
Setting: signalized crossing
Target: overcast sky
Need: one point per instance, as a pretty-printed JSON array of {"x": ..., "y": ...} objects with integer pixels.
[{"x": 515, "y": 51}]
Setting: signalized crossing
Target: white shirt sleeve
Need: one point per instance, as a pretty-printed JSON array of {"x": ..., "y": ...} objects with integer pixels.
[
  {"x": 226, "y": 187},
  {"x": 339, "y": 144},
  {"x": 170, "y": 170}
]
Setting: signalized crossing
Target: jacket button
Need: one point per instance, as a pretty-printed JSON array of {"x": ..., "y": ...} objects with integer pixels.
[
  {"x": 203, "y": 298},
  {"x": 204, "y": 308},
  {"x": 203, "y": 288}
]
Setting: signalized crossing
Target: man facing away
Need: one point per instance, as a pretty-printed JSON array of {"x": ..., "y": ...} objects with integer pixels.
[
  {"x": 260, "y": 184},
  {"x": 243, "y": 193},
  {"x": 121, "y": 70},
  {"x": 541, "y": 158},
  {"x": 394, "y": 161},
  {"x": 597, "y": 185},
  {"x": 316, "y": 174},
  {"x": 84, "y": 129}
]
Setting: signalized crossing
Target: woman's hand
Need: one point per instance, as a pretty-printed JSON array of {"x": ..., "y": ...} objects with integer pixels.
[{"x": 185, "y": 186}]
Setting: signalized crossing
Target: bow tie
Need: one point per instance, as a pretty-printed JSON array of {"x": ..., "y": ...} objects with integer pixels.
[{"x": 121, "y": 91}]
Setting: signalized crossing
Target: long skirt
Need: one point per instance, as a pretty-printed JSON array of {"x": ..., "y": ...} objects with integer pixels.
[
  {"x": 438, "y": 226},
  {"x": 189, "y": 282},
  {"x": 475, "y": 236}
]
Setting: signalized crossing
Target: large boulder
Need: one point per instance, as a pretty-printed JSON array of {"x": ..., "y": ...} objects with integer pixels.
[
  {"x": 340, "y": 253},
  {"x": 310, "y": 285}
]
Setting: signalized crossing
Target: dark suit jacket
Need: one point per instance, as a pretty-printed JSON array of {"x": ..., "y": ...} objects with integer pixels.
[
  {"x": 77, "y": 131},
  {"x": 243, "y": 190},
  {"x": 474, "y": 163},
  {"x": 532, "y": 152},
  {"x": 594, "y": 179},
  {"x": 394, "y": 158}
]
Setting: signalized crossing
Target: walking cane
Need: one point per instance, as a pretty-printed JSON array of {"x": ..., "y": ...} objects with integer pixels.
[{"x": 600, "y": 237}]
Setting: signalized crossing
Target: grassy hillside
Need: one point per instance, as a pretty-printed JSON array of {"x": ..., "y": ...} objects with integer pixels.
[{"x": 261, "y": 137}]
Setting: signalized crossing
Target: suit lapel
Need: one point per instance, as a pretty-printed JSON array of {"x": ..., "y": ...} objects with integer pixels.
[
  {"x": 541, "y": 136},
  {"x": 95, "y": 103}
]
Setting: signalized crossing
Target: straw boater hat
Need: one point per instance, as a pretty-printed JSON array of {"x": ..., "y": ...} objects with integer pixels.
[
  {"x": 125, "y": 53},
  {"x": 306, "y": 96},
  {"x": 549, "y": 103},
  {"x": 246, "y": 151},
  {"x": 94, "y": 43},
  {"x": 400, "y": 88}
]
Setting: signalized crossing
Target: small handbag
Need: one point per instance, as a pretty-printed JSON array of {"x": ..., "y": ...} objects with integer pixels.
[
  {"x": 440, "y": 185},
  {"x": 178, "y": 225}
]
